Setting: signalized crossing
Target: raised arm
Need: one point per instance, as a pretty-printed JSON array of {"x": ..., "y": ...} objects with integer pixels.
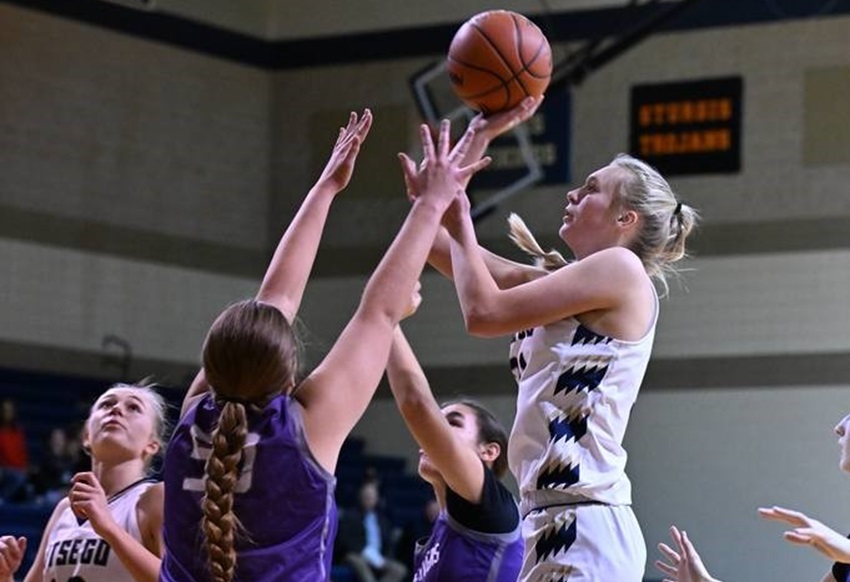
[
  {"x": 808, "y": 531},
  {"x": 606, "y": 280},
  {"x": 460, "y": 467},
  {"x": 335, "y": 395},
  {"x": 482, "y": 131},
  {"x": 287, "y": 274},
  {"x": 505, "y": 272},
  {"x": 486, "y": 129}
]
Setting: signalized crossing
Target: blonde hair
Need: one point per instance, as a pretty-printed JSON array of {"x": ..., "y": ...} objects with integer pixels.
[
  {"x": 145, "y": 389},
  {"x": 665, "y": 225}
]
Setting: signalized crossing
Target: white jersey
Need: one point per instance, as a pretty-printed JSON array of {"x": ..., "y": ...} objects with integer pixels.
[
  {"x": 76, "y": 553},
  {"x": 576, "y": 391}
]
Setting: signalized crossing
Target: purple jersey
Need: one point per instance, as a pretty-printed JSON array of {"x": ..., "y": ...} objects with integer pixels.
[
  {"x": 455, "y": 553},
  {"x": 283, "y": 498}
]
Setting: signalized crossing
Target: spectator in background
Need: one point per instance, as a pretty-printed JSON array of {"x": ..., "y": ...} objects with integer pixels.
[
  {"x": 79, "y": 456},
  {"x": 418, "y": 529},
  {"x": 367, "y": 539},
  {"x": 52, "y": 478},
  {"x": 14, "y": 461}
]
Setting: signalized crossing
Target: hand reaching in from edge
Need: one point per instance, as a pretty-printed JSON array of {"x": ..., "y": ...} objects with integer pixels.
[
  {"x": 440, "y": 177},
  {"x": 340, "y": 166},
  {"x": 810, "y": 532},
  {"x": 685, "y": 565},
  {"x": 492, "y": 126},
  {"x": 12, "y": 551}
]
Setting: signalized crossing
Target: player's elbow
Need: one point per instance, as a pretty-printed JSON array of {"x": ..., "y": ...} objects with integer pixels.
[{"x": 480, "y": 323}]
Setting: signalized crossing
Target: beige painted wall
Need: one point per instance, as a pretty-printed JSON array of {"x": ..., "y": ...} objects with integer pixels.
[{"x": 103, "y": 131}]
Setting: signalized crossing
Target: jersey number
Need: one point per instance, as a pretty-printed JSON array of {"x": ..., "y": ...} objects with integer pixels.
[{"x": 202, "y": 449}]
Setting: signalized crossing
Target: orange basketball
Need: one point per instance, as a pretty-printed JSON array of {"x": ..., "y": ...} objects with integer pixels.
[{"x": 497, "y": 59}]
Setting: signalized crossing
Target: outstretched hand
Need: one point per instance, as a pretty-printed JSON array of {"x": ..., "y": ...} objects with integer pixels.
[
  {"x": 440, "y": 177},
  {"x": 494, "y": 125},
  {"x": 810, "y": 532},
  {"x": 340, "y": 166},
  {"x": 685, "y": 565}
]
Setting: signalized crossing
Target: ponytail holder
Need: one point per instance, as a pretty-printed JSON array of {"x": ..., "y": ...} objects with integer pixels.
[
  {"x": 234, "y": 400},
  {"x": 678, "y": 210}
]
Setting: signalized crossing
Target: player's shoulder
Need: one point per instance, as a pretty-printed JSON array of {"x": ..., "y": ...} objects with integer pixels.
[
  {"x": 154, "y": 493},
  {"x": 617, "y": 254},
  {"x": 64, "y": 503},
  {"x": 149, "y": 507}
]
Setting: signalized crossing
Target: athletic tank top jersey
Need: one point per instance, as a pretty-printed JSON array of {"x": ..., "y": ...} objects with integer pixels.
[
  {"x": 283, "y": 498},
  {"x": 75, "y": 553},
  {"x": 457, "y": 553},
  {"x": 576, "y": 391},
  {"x": 841, "y": 571}
]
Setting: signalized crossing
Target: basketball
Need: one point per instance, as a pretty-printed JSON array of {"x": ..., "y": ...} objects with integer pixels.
[{"x": 498, "y": 58}]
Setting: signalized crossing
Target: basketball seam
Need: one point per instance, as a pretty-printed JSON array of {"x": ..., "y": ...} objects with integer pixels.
[
  {"x": 505, "y": 82},
  {"x": 518, "y": 44},
  {"x": 502, "y": 85},
  {"x": 534, "y": 57}
]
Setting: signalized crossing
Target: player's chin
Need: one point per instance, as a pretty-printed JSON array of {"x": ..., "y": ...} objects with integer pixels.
[{"x": 426, "y": 470}]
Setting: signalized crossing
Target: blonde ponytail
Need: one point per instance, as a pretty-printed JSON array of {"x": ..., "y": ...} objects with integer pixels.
[{"x": 522, "y": 237}]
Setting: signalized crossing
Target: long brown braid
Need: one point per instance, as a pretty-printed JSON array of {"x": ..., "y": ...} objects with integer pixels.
[
  {"x": 219, "y": 522},
  {"x": 250, "y": 355}
]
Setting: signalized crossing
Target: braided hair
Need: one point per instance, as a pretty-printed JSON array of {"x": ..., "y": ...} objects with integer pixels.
[{"x": 250, "y": 356}]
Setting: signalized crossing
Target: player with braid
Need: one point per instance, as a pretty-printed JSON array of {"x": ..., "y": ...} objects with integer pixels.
[
  {"x": 582, "y": 337},
  {"x": 252, "y": 460}
]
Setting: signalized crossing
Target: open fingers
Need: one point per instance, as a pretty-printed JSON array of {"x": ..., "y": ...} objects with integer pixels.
[
  {"x": 365, "y": 123},
  {"x": 427, "y": 142},
  {"x": 352, "y": 149},
  {"x": 665, "y": 567},
  {"x": 467, "y": 171},
  {"x": 408, "y": 167},
  {"x": 669, "y": 553},
  {"x": 344, "y": 132},
  {"x": 688, "y": 550},
  {"x": 777, "y": 513},
  {"x": 461, "y": 148},
  {"x": 799, "y": 536},
  {"x": 444, "y": 140}
]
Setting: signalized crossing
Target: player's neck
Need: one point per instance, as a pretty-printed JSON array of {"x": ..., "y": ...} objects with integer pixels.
[
  {"x": 115, "y": 477},
  {"x": 440, "y": 493}
]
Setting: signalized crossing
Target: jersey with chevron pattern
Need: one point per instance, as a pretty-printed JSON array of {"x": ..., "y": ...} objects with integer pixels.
[{"x": 576, "y": 391}]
